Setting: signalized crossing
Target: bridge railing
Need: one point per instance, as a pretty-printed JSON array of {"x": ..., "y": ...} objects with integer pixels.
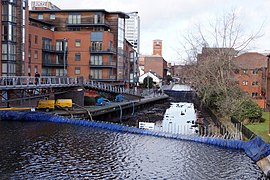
[{"x": 28, "y": 81}]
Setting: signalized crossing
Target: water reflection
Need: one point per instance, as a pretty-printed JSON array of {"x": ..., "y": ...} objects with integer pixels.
[
  {"x": 180, "y": 118},
  {"x": 43, "y": 150}
]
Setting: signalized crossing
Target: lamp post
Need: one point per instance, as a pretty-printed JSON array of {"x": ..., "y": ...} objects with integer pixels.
[
  {"x": 148, "y": 82},
  {"x": 65, "y": 72}
]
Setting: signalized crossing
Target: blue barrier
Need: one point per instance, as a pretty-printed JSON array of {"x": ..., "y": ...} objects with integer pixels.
[{"x": 256, "y": 148}]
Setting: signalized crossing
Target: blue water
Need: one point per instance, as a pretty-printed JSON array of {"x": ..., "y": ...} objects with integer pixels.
[{"x": 44, "y": 150}]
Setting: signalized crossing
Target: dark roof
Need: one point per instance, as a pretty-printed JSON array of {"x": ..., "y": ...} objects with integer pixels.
[{"x": 121, "y": 14}]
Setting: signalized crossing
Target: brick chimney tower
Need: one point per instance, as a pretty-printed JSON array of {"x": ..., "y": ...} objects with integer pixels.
[{"x": 157, "y": 47}]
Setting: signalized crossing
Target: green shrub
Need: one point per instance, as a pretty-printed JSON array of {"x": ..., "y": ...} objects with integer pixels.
[{"x": 249, "y": 111}]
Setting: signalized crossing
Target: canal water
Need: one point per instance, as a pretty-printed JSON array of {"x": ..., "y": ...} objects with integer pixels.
[{"x": 46, "y": 150}]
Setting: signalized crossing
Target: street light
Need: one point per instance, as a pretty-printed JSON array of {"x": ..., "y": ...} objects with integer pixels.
[
  {"x": 148, "y": 82},
  {"x": 65, "y": 71}
]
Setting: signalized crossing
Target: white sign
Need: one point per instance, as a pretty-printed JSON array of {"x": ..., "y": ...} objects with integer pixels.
[
  {"x": 146, "y": 125},
  {"x": 40, "y": 3}
]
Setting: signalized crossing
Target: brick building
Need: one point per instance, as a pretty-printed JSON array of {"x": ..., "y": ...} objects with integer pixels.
[
  {"x": 156, "y": 64},
  {"x": 87, "y": 43},
  {"x": 157, "y": 47},
  {"x": 251, "y": 75}
]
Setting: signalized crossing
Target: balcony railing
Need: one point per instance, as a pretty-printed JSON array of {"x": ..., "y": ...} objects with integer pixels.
[
  {"x": 53, "y": 49},
  {"x": 51, "y": 63},
  {"x": 88, "y": 21},
  {"x": 102, "y": 51},
  {"x": 104, "y": 78},
  {"x": 103, "y": 64}
]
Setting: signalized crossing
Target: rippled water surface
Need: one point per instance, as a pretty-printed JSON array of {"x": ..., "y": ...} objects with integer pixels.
[{"x": 43, "y": 150}]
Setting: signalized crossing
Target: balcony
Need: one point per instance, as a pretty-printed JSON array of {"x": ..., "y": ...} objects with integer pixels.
[
  {"x": 51, "y": 63},
  {"x": 93, "y": 50},
  {"x": 104, "y": 78},
  {"x": 87, "y": 21},
  {"x": 52, "y": 49},
  {"x": 102, "y": 65}
]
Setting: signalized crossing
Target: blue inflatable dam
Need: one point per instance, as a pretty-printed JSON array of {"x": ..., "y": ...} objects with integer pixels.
[{"x": 256, "y": 148}]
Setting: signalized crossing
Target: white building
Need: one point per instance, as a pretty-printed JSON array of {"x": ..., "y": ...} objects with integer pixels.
[
  {"x": 157, "y": 79},
  {"x": 132, "y": 35},
  {"x": 132, "y": 30}
]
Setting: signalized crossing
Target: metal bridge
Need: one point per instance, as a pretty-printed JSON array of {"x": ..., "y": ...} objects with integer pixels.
[{"x": 14, "y": 88}]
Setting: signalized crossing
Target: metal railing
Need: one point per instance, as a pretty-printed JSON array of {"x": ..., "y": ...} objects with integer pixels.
[{"x": 22, "y": 82}]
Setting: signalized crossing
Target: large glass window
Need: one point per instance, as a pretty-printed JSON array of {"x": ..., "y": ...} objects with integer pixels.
[
  {"x": 96, "y": 46},
  {"x": 96, "y": 73},
  {"x": 74, "y": 19},
  {"x": 96, "y": 60},
  {"x": 59, "y": 45}
]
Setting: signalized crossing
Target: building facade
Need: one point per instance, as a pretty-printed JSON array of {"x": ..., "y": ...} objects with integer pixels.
[
  {"x": 156, "y": 64},
  {"x": 132, "y": 34},
  {"x": 132, "y": 30},
  {"x": 251, "y": 75},
  {"x": 14, "y": 32},
  {"x": 87, "y": 43}
]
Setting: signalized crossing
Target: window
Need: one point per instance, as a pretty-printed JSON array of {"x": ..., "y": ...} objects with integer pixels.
[
  {"x": 40, "y": 16},
  {"x": 255, "y": 71},
  {"x": 36, "y": 54},
  {"x": 77, "y": 43},
  {"x": 254, "y": 94},
  {"x": 77, "y": 57},
  {"x": 96, "y": 60},
  {"x": 96, "y": 46},
  {"x": 97, "y": 19},
  {"x": 52, "y": 16},
  {"x": 96, "y": 74},
  {"x": 245, "y": 83},
  {"x": 77, "y": 70},
  {"x": 36, "y": 69},
  {"x": 59, "y": 45},
  {"x": 74, "y": 19},
  {"x": 245, "y": 71},
  {"x": 59, "y": 72},
  {"x": 255, "y": 83},
  {"x": 36, "y": 39}
]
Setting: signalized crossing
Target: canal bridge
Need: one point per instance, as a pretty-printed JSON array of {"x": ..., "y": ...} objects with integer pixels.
[{"x": 14, "y": 89}]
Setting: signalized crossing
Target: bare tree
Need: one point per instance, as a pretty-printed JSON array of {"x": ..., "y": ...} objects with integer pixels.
[{"x": 212, "y": 70}]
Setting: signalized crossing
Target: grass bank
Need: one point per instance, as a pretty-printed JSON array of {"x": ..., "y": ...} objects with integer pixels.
[{"x": 261, "y": 129}]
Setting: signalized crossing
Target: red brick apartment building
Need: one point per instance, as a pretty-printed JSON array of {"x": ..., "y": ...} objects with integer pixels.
[
  {"x": 88, "y": 43},
  {"x": 251, "y": 75}
]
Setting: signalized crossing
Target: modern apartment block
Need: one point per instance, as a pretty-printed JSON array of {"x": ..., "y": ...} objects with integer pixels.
[
  {"x": 133, "y": 30},
  {"x": 75, "y": 42},
  {"x": 14, "y": 32},
  {"x": 132, "y": 34}
]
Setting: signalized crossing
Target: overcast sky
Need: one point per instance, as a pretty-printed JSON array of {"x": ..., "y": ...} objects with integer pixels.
[{"x": 169, "y": 20}]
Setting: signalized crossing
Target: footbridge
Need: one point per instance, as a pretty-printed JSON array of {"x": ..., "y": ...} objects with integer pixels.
[{"x": 20, "y": 88}]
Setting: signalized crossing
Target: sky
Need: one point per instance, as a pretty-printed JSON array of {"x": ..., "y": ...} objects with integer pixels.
[{"x": 170, "y": 20}]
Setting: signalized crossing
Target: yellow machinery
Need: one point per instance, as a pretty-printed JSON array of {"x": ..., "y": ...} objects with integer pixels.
[
  {"x": 64, "y": 103},
  {"x": 46, "y": 104},
  {"x": 51, "y": 104}
]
